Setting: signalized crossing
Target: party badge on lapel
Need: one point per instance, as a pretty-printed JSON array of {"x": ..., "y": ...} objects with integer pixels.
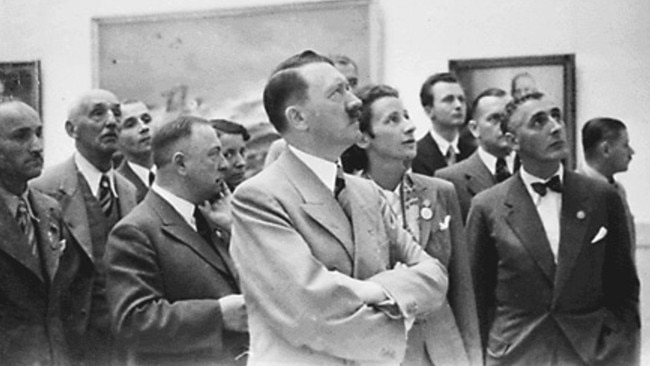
[
  {"x": 425, "y": 212},
  {"x": 581, "y": 215}
]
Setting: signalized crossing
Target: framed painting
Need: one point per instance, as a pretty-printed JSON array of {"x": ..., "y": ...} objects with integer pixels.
[
  {"x": 554, "y": 75},
  {"x": 21, "y": 81}
]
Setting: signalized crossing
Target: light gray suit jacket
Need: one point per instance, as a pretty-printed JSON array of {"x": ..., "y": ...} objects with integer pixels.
[{"x": 299, "y": 259}]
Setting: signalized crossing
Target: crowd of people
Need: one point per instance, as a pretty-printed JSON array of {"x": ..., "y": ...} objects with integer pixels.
[{"x": 356, "y": 244}]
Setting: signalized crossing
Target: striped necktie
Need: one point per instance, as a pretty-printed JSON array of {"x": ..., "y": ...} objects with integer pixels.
[
  {"x": 106, "y": 197},
  {"x": 26, "y": 224}
]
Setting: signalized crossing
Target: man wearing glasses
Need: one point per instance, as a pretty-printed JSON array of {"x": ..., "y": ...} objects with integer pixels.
[{"x": 134, "y": 139}]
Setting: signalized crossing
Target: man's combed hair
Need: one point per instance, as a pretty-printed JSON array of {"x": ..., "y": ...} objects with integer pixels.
[
  {"x": 600, "y": 129},
  {"x": 426, "y": 94},
  {"x": 230, "y": 127},
  {"x": 286, "y": 86},
  {"x": 514, "y": 104},
  {"x": 169, "y": 134},
  {"x": 489, "y": 92}
]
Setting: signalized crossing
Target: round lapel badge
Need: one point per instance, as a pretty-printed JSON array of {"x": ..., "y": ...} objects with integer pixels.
[{"x": 426, "y": 213}]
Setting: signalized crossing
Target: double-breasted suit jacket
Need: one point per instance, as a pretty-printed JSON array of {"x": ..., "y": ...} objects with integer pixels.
[
  {"x": 429, "y": 158},
  {"x": 300, "y": 259},
  {"x": 141, "y": 189},
  {"x": 469, "y": 177},
  {"x": 164, "y": 282},
  {"x": 63, "y": 182},
  {"x": 450, "y": 334},
  {"x": 32, "y": 287},
  {"x": 534, "y": 309}
]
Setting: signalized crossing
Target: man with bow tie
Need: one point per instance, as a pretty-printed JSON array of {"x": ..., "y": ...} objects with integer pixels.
[
  {"x": 38, "y": 259},
  {"x": 550, "y": 256}
]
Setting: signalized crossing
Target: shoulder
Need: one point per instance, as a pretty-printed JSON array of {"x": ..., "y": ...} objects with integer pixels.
[
  {"x": 51, "y": 177},
  {"x": 456, "y": 170},
  {"x": 435, "y": 183},
  {"x": 496, "y": 193}
]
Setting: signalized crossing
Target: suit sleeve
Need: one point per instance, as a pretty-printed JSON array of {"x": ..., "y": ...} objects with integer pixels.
[
  {"x": 305, "y": 303},
  {"x": 141, "y": 314},
  {"x": 461, "y": 290},
  {"x": 483, "y": 266}
]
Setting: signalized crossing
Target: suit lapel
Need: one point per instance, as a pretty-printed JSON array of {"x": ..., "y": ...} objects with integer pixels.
[
  {"x": 426, "y": 200},
  {"x": 524, "y": 220},
  {"x": 176, "y": 227},
  {"x": 14, "y": 243},
  {"x": 477, "y": 177},
  {"x": 573, "y": 228},
  {"x": 320, "y": 203},
  {"x": 126, "y": 194},
  {"x": 50, "y": 236}
]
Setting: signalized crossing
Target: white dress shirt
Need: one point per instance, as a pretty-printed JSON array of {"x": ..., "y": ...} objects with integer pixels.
[
  {"x": 183, "y": 207},
  {"x": 443, "y": 144},
  {"x": 93, "y": 175},
  {"x": 142, "y": 172},
  {"x": 490, "y": 160},
  {"x": 548, "y": 207},
  {"x": 324, "y": 170}
]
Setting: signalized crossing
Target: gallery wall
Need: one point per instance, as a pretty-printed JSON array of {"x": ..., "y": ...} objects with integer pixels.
[{"x": 609, "y": 39}]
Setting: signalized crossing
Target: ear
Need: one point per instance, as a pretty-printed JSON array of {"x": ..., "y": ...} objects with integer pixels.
[
  {"x": 513, "y": 141},
  {"x": 604, "y": 148},
  {"x": 295, "y": 117},
  {"x": 70, "y": 129},
  {"x": 178, "y": 160},
  {"x": 473, "y": 127},
  {"x": 364, "y": 142}
]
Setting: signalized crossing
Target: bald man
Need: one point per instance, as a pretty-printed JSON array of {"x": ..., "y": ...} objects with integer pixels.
[{"x": 93, "y": 198}]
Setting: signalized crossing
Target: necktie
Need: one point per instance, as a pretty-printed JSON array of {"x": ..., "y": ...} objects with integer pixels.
[
  {"x": 152, "y": 177},
  {"x": 339, "y": 183},
  {"x": 105, "y": 195},
  {"x": 501, "y": 172},
  {"x": 202, "y": 226},
  {"x": 554, "y": 184},
  {"x": 26, "y": 225},
  {"x": 450, "y": 156}
]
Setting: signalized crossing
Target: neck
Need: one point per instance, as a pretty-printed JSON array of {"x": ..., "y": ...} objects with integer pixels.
[
  {"x": 329, "y": 153},
  {"x": 100, "y": 160},
  {"x": 388, "y": 174},
  {"x": 543, "y": 170},
  {"x": 601, "y": 168},
  {"x": 499, "y": 153},
  {"x": 177, "y": 185},
  {"x": 447, "y": 132},
  {"x": 12, "y": 186},
  {"x": 144, "y": 160}
]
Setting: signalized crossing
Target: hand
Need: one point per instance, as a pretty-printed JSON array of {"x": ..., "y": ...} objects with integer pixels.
[
  {"x": 233, "y": 312},
  {"x": 371, "y": 293},
  {"x": 218, "y": 212}
]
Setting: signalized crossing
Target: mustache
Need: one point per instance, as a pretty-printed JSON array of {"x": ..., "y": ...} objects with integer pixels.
[{"x": 354, "y": 111}]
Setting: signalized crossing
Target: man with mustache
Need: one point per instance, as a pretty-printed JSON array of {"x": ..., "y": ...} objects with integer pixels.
[
  {"x": 550, "y": 255},
  {"x": 134, "y": 139},
  {"x": 93, "y": 197},
  {"x": 443, "y": 100},
  {"x": 38, "y": 258},
  {"x": 325, "y": 282}
]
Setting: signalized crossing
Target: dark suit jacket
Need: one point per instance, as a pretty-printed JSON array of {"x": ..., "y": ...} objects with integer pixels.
[
  {"x": 61, "y": 182},
  {"x": 128, "y": 173},
  {"x": 450, "y": 334},
  {"x": 300, "y": 257},
  {"x": 429, "y": 158},
  {"x": 164, "y": 281},
  {"x": 469, "y": 177},
  {"x": 527, "y": 304},
  {"x": 31, "y": 291}
]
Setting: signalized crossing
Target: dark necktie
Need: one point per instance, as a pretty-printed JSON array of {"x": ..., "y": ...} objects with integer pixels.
[
  {"x": 105, "y": 194},
  {"x": 339, "y": 183},
  {"x": 450, "y": 156},
  {"x": 202, "y": 226},
  {"x": 501, "y": 172},
  {"x": 26, "y": 224},
  {"x": 152, "y": 177},
  {"x": 554, "y": 184}
]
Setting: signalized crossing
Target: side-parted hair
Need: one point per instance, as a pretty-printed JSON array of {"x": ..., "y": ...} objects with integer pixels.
[
  {"x": 426, "y": 92},
  {"x": 343, "y": 60},
  {"x": 355, "y": 158},
  {"x": 286, "y": 86},
  {"x": 233, "y": 128},
  {"x": 169, "y": 134},
  {"x": 512, "y": 107},
  {"x": 600, "y": 129},
  {"x": 489, "y": 92}
]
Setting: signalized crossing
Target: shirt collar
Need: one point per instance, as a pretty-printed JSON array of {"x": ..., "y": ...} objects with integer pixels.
[
  {"x": 443, "y": 144},
  {"x": 490, "y": 160},
  {"x": 529, "y": 179},
  {"x": 324, "y": 170},
  {"x": 11, "y": 200},
  {"x": 141, "y": 172},
  {"x": 93, "y": 175},
  {"x": 184, "y": 207}
]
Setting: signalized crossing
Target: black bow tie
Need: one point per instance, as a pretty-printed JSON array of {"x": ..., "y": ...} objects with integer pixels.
[{"x": 554, "y": 184}]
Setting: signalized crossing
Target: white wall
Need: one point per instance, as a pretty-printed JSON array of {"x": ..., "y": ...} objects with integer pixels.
[{"x": 608, "y": 37}]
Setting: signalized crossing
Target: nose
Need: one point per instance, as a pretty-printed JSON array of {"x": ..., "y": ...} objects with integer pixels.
[
  {"x": 409, "y": 126},
  {"x": 240, "y": 161},
  {"x": 112, "y": 120},
  {"x": 556, "y": 124},
  {"x": 144, "y": 129},
  {"x": 353, "y": 102},
  {"x": 223, "y": 163},
  {"x": 37, "y": 143}
]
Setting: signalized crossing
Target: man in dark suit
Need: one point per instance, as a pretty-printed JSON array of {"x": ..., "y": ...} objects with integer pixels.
[
  {"x": 321, "y": 277},
  {"x": 93, "y": 197},
  {"x": 38, "y": 259},
  {"x": 172, "y": 287},
  {"x": 493, "y": 161},
  {"x": 134, "y": 139},
  {"x": 550, "y": 256},
  {"x": 443, "y": 100}
]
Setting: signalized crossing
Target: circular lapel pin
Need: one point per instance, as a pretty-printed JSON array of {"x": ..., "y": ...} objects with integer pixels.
[
  {"x": 581, "y": 215},
  {"x": 425, "y": 211}
]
